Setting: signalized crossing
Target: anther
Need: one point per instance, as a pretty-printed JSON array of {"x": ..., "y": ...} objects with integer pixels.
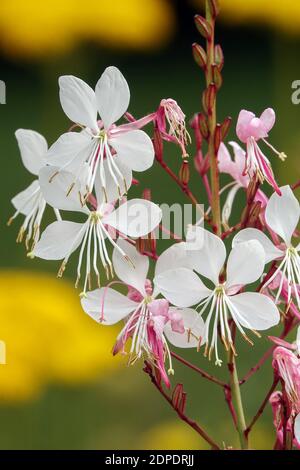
[{"x": 53, "y": 176}]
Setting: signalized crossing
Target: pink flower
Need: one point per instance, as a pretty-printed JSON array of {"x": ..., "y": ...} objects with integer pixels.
[
  {"x": 170, "y": 121},
  {"x": 249, "y": 130}
]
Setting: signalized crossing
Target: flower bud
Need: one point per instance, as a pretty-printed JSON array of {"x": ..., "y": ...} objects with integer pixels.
[
  {"x": 202, "y": 165},
  {"x": 158, "y": 145},
  {"x": 217, "y": 77},
  {"x": 184, "y": 173},
  {"x": 225, "y": 126},
  {"x": 208, "y": 98},
  {"x": 203, "y": 126},
  {"x": 214, "y": 8},
  {"x": 217, "y": 139},
  {"x": 203, "y": 26},
  {"x": 199, "y": 55},
  {"x": 219, "y": 57},
  {"x": 254, "y": 213}
]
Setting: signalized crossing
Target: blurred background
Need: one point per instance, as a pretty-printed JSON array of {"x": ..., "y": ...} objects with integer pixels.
[{"x": 61, "y": 388}]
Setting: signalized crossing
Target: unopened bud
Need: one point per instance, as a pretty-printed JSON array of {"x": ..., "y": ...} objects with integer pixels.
[
  {"x": 140, "y": 245},
  {"x": 202, "y": 165},
  {"x": 219, "y": 57},
  {"x": 225, "y": 126},
  {"x": 199, "y": 55},
  {"x": 203, "y": 26},
  {"x": 214, "y": 8},
  {"x": 209, "y": 98},
  {"x": 254, "y": 213},
  {"x": 217, "y": 138},
  {"x": 203, "y": 126},
  {"x": 252, "y": 189},
  {"x": 217, "y": 76},
  {"x": 177, "y": 395},
  {"x": 184, "y": 173}
]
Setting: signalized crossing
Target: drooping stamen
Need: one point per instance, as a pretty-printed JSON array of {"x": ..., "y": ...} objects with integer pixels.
[{"x": 281, "y": 155}]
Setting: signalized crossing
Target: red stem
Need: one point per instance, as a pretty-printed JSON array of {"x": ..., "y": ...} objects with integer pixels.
[
  {"x": 262, "y": 406},
  {"x": 203, "y": 374}
]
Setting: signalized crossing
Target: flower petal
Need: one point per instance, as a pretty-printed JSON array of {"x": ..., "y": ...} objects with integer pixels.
[
  {"x": 132, "y": 276},
  {"x": 78, "y": 101},
  {"x": 245, "y": 264},
  {"x": 135, "y": 218},
  {"x": 206, "y": 252},
  {"x": 25, "y": 201},
  {"x": 59, "y": 239},
  {"x": 174, "y": 257},
  {"x": 243, "y": 125},
  {"x": 109, "y": 303},
  {"x": 282, "y": 213},
  {"x": 111, "y": 189},
  {"x": 194, "y": 328},
  {"x": 255, "y": 311},
  {"x": 134, "y": 148},
  {"x": 181, "y": 287},
  {"x": 297, "y": 427},
  {"x": 268, "y": 118},
  {"x": 33, "y": 148},
  {"x": 56, "y": 191},
  {"x": 68, "y": 147},
  {"x": 113, "y": 95},
  {"x": 247, "y": 234}
]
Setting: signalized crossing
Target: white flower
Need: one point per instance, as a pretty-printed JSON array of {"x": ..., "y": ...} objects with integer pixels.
[
  {"x": 30, "y": 202},
  {"x": 182, "y": 327},
  {"x": 135, "y": 218},
  {"x": 245, "y": 264},
  {"x": 282, "y": 216},
  {"x": 111, "y": 152}
]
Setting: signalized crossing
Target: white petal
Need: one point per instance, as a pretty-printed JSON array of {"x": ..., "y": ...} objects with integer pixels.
[
  {"x": 59, "y": 239},
  {"x": 282, "y": 213},
  {"x": 174, "y": 257},
  {"x": 245, "y": 263},
  {"x": 193, "y": 322},
  {"x": 113, "y": 96},
  {"x": 297, "y": 427},
  {"x": 55, "y": 192},
  {"x": 135, "y": 218},
  {"x": 68, "y": 147},
  {"x": 255, "y": 311},
  {"x": 134, "y": 148},
  {"x": 108, "y": 302},
  {"x": 132, "y": 276},
  {"x": 24, "y": 202},
  {"x": 182, "y": 287},
  {"x": 111, "y": 190},
  {"x": 271, "y": 252},
  {"x": 206, "y": 252},
  {"x": 33, "y": 148},
  {"x": 78, "y": 101}
]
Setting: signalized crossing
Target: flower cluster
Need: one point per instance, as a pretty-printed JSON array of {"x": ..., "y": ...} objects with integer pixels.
[{"x": 194, "y": 295}]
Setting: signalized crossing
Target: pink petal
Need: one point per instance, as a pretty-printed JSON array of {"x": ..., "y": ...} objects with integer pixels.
[
  {"x": 268, "y": 118},
  {"x": 243, "y": 123}
]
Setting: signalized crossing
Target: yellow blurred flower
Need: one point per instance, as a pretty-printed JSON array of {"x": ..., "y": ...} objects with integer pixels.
[
  {"x": 173, "y": 435},
  {"x": 284, "y": 15},
  {"x": 27, "y": 28},
  {"x": 48, "y": 337}
]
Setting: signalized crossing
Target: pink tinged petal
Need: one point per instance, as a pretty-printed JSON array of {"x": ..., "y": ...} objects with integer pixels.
[
  {"x": 225, "y": 162},
  {"x": 159, "y": 307},
  {"x": 133, "y": 273},
  {"x": 135, "y": 218},
  {"x": 265, "y": 167},
  {"x": 59, "y": 239},
  {"x": 194, "y": 329},
  {"x": 25, "y": 201},
  {"x": 134, "y": 149},
  {"x": 112, "y": 93},
  {"x": 206, "y": 253},
  {"x": 282, "y": 343},
  {"x": 297, "y": 428},
  {"x": 33, "y": 148},
  {"x": 176, "y": 320},
  {"x": 243, "y": 127},
  {"x": 271, "y": 251},
  {"x": 245, "y": 264},
  {"x": 282, "y": 213},
  {"x": 239, "y": 163},
  {"x": 267, "y": 119},
  {"x": 107, "y": 306},
  {"x": 174, "y": 257},
  {"x": 111, "y": 189},
  {"x": 255, "y": 311},
  {"x": 78, "y": 101},
  {"x": 69, "y": 147},
  {"x": 182, "y": 287},
  {"x": 56, "y": 191}
]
